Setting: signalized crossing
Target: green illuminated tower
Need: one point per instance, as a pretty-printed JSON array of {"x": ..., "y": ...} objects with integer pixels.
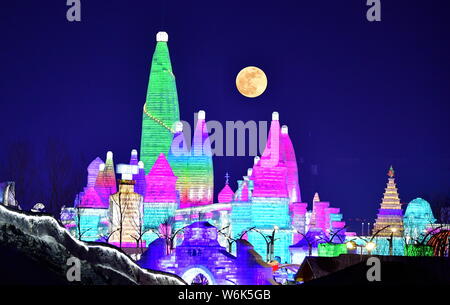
[{"x": 161, "y": 105}]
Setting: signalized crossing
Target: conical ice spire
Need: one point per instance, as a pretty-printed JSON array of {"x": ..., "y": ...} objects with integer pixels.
[
  {"x": 91, "y": 199},
  {"x": 161, "y": 109},
  {"x": 161, "y": 182}
]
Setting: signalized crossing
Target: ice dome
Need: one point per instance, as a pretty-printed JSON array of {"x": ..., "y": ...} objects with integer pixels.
[
  {"x": 418, "y": 217},
  {"x": 419, "y": 209}
]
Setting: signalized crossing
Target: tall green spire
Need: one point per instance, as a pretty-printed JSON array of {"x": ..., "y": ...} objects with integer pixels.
[{"x": 161, "y": 106}]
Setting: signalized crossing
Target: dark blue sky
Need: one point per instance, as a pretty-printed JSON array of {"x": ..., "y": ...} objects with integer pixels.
[{"x": 357, "y": 96}]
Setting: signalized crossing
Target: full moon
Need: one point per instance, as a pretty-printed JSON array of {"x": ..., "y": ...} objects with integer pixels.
[{"x": 251, "y": 81}]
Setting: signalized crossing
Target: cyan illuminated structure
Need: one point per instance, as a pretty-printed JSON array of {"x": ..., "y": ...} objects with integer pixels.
[
  {"x": 161, "y": 109},
  {"x": 417, "y": 219}
]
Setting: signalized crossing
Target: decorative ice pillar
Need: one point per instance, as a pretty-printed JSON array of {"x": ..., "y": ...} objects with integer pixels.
[
  {"x": 201, "y": 182},
  {"x": 161, "y": 105}
]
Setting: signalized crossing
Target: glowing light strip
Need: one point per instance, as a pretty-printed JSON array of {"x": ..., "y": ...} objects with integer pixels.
[{"x": 157, "y": 120}]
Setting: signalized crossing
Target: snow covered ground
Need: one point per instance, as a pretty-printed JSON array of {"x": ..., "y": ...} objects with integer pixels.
[{"x": 42, "y": 239}]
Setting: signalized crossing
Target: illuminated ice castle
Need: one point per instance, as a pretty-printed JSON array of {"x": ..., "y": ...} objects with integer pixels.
[{"x": 171, "y": 186}]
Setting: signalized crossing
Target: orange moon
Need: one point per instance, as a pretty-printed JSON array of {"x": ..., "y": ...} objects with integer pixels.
[{"x": 251, "y": 81}]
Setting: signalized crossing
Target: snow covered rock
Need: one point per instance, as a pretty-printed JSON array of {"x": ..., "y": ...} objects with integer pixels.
[
  {"x": 38, "y": 208},
  {"x": 31, "y": 243}
]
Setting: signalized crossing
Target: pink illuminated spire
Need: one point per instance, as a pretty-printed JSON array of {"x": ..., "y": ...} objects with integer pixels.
[
  {"x": 161, "y": 167},
  {"x": 278, "y": 155},
  {"x": 91, "y": 199},
  {"x": 161, "y": 182}
]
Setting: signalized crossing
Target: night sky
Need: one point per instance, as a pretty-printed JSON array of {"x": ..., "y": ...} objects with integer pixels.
[{"x": 357, "y": 96}]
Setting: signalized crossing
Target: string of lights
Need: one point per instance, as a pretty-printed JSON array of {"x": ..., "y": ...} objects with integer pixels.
[{"x": 157, "y": 120}]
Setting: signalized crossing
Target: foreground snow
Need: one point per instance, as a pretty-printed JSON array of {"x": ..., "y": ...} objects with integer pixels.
[{"x": 43, "y": 239}]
